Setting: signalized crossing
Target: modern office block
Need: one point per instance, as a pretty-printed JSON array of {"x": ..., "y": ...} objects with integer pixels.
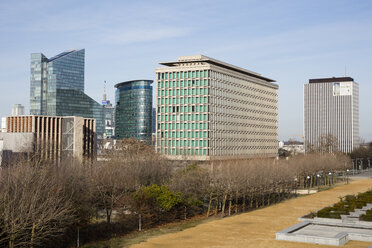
[
  {"x": 57, "y": 88},
  {"x": 109, "y": 116},
  {"x": 331, "y": 107},
  {"x": 18, "y": 109},
  {"x": 133, "y": 114},
  {"x": 153, "y": 126},
  {"x": 50, "y": 137},
  {"x": 210, "y": 110}
]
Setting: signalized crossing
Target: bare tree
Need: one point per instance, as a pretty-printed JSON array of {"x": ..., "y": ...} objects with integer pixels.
[{"x": 34, "y": 208}]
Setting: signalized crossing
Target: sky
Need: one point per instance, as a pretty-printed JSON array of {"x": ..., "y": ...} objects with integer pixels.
[{"x": 289, "y": 41}]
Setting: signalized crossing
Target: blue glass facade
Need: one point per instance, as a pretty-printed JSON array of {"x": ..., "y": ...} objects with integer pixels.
[
  {"x": 57, "y": 88},
  {"x": 133, "y": 113}
]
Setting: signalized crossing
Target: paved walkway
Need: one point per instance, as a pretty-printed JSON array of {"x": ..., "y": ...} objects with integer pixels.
[{"x": 257, "y": 228}]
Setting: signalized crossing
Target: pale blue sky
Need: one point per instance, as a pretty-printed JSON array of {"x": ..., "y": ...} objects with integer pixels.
[{"x": 289, "y": 41}]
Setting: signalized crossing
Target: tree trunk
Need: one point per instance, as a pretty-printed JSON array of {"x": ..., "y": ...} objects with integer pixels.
[
  {"x": 236, "y": 202},
  {"x": 32, "y": 235},
  {"x": 230, "y": 200},
  {"x": 78, "y": 238},
  {"x": 223, "y": 205},
  {"x": 256, "y": 198},
  {"x": 139, "y": 222},
  {"x": 243, "y": 203},
  {"x": 108, "y": 215},
  {"x": 217, "y": 199},
  {"x": 209, "y": 205}
]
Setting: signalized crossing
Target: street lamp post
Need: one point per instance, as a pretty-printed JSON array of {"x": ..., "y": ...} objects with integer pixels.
[
  {"x": 318, "y": 179},
  {"x": 308, "y": 184},
  {"x": 347, "y": 176},
  {"x": 295, "y": 186},
  {"x": 329, "y": 180}
]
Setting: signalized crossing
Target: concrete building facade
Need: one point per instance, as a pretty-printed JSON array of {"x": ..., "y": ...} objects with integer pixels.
[
  {"x": 331, "y": 107},
  {"x": 209, "y": 110},
  {"x": 50, "y": 137}
]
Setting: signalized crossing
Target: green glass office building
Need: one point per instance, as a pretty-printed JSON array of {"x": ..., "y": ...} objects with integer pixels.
[
  {"x": 57, "y": 88},
  {"x": 133, "y": 114}
]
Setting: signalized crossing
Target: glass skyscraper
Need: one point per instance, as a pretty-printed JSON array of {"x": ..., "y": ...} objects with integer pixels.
[
  {"x": 57, "y": 88},
  {"x": 133, "y": 114}
]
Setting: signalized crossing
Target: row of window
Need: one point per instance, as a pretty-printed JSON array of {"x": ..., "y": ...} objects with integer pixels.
[
  {"x": 184, "y": 92},
  {"x": 186, "y": 100},
  {"x": 183, "y": 74},
  {"x": 189, "y": 117},
  {"x": 179, "y": 126},
  {"x": 181, "y": 83},
  {"x": 174, "y": 151},
  {"x": 183, "y": 134},
  {"x": 184, "y": 143},
  {"x": 235, "y": 118},
  {"x": 178, "y": 109}
]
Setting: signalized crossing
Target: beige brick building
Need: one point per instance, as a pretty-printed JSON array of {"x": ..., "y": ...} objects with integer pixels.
[{"x": 208, "y": 109}]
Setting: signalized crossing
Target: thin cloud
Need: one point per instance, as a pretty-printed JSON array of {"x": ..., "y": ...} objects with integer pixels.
[{"x": 145, "y": 34}]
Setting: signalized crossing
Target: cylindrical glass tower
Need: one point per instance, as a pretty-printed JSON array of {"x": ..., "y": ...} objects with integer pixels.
[{"x": 133, "y": 113}]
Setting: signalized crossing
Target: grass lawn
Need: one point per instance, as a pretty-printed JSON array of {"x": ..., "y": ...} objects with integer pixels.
[{"x": 138, "y": 237}]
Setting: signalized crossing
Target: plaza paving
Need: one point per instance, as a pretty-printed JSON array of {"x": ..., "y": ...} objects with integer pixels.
[{"x": 257, "y": 228}]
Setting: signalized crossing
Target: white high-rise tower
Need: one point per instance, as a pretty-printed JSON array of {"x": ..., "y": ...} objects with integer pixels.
[{"x": 331, "y": 107}]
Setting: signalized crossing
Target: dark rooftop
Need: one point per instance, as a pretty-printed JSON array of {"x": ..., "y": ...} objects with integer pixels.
[
  {"x": 118, "y": 85},
  {"x": 331, "y": 80}
]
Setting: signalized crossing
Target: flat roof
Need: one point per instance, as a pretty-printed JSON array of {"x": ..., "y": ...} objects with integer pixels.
[
  {"x": 131, "y": 81},
  {"x": 202, "y": 58},
  {"x": 331, "y": 80}
]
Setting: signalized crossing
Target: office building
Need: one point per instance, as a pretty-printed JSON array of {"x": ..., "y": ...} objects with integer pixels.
[
  {"x": 3, "y": 125},
  {"x": 109, "y": 116},
  {"x": 210, "y": 110},
  {"x": 133, "y": 113},
  {"x": 153, "y": 126},
  {"x": 331, "y": 108},
  {"x": 57, "y": 88},
  {"x": 18, "y": 109},
  {"x": 49, "y": 137}
]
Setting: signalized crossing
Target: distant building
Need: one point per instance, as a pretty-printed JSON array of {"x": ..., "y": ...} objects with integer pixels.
[
  {"x": 57, "y": 88},
  {"x": 109, "y": 116},
  {"x": 3, "y": 124},
  {"x": 294, "y": 147},
  {"x": 331, "y": 107},
  {"x": 367, "y": 145},
  {"x": 49, "y": 137},
  {"x": 133, "y": 113},
  {"x": 18, "y": 109},
  {"x": 208, "y": 110}
]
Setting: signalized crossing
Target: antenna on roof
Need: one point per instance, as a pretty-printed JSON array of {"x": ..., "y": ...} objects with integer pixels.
[
  {"x": 345, "y": 70},
  {"x": 104, "y": 91}
]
